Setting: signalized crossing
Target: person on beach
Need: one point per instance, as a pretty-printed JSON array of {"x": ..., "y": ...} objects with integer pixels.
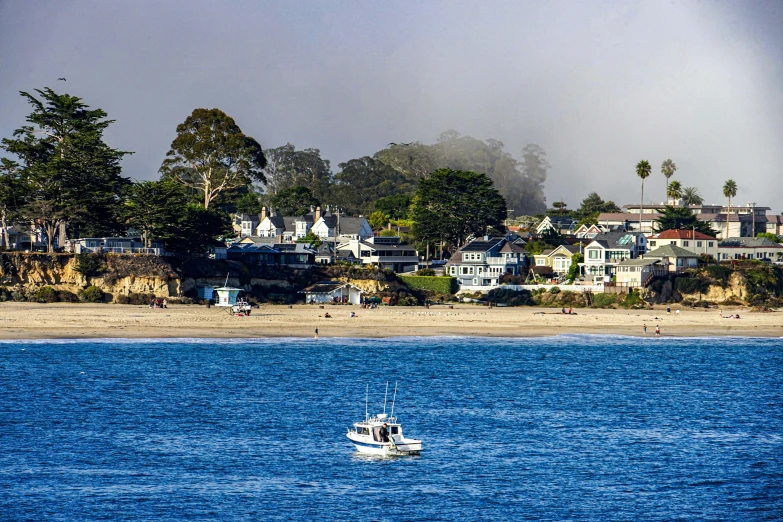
[
  {"x": 316, "y": 334},
  {"x": 644, "y": 328},
  {"x": 657, "y": 331},
  {"x": 165, "y": 302},
  {"x": 570, "y": 310}
]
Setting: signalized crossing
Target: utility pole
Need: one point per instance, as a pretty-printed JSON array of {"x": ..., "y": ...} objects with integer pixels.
[{"x": 753, "y": 211}]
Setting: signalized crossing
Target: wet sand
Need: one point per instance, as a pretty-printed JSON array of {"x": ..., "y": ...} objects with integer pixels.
[{"x": 63, "y": 320}]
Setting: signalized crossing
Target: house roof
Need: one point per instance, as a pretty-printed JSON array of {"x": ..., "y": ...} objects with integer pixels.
[
  {"x": 513, "y": 248},
  {"x": 326, "y": 287},
  {"x": 617, "y": 239},
  {"x": 639, "y": 262},
  {"x": 481, "y": 245},
  {"x": 627, "y": 216},
  {"x": 670, "y": 251},
  {"x": 748, "y": 242},
  {"x": 681, "y": 234},
  {"x": 721, "y": 218}
]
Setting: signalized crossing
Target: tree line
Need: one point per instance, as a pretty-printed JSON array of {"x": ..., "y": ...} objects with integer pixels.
[{"x": 60, "y": 174}]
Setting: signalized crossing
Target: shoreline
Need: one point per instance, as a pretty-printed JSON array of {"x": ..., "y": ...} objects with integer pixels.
[{"x": 112, "y": 321}]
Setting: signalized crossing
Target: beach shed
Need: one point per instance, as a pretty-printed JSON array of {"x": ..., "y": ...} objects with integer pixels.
[
  {"x": 205, "y": 291},
  {"x": 227, "y": 296},
  {"x": 333, "y": 292}
]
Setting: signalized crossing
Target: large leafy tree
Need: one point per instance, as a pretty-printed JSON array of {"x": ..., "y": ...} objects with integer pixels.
[
  {"x": 668, "y": 168},
  {"x": 294, "y": 201},
  {"x": 395, "y": 207},
  {"x": 155, "y": 208},
  {"x": 197, "y": 228},
  {"x": 643, "y": 170},
  {"x": 691, "y": 196},
  {"x": 363, "y": 181},
  {"x": 451, "y": 205},
  {"x": 592, "y": 206},
  {"x": 681, "y": 218},
  {"x": 69, "y": 175},
  {"x": 287, "y": 168},
  {"x": 211, "y": 154},
  {"x": 729, "y": 191},
  {"x": 11, "y": 198}
]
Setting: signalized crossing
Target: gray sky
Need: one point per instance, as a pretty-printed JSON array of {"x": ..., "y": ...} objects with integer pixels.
[{"x": 599, "y": 85}]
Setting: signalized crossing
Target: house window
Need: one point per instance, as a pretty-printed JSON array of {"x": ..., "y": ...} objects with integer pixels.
[
  {"x": 698, "y": 243},
  {"x": 685, "y": 243},
  {"x": 540, "y": 262},
  {"x": 736, "y": 256},
  {"x": 709, "y": 244},
  {"x": 593, "y": 254},
  {"x": 652, "y": 243}
]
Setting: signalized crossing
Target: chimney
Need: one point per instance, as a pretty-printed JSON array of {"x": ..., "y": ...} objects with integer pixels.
[
  {"x": 262, "y": 215},
  {"x": 317, "y": 214},
  {"x": 280, "y": 238}
]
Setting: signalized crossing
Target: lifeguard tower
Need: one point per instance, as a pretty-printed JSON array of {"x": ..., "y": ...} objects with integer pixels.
[{"x": 227, "y": 295}]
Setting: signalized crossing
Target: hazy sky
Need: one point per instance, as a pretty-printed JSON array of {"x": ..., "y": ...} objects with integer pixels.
[{"x": 599, "y": 85}]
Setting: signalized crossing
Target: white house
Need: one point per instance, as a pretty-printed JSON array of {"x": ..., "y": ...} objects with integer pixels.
[
  {"x": 556, "y": 224},
  {"x": 606, "y": 251},
  {"x": 629, "y": 221},
  {"x": 344, "y": 227},
  {"x": 633, "y": 273},
  {"x": 736, "y": 248},
  {"x": 675, "y": 258},
  {"x": 384, "y": 254},
  {"x": 333, "y": 292}
]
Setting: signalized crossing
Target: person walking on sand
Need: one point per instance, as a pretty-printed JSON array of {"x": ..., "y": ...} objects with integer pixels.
[
  {"x": 657, "y": 331},
  {"x": 316, "y": 334},
  {"x": 644, "y": 328}
]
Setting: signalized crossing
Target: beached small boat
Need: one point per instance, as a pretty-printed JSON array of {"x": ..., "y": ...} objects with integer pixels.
[{"x": 381, "y": 434}]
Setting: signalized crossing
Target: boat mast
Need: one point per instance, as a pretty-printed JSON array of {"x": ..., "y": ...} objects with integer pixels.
[
  {"x": 366, "y": 403},
  {"x": 394, "y": 399},
  {"x": 386, "y": 394}
]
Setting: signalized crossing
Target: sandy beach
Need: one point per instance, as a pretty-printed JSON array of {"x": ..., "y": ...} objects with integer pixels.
[{"x": 52, "y": 321}]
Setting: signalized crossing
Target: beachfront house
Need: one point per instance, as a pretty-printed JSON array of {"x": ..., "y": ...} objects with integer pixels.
[
  {"x": 382, "y": 252},
  {"x": 586, "y": 231},
  {"x": 634, "y": 273},
  {"x": 294, "y": 255},
  {"x": 482, "y": 262},
  {"x": 333, "y": 292},
  {"x": 744, "y": 220},
  {"x": 113, "y": 245},
  {"x": 760, "y": 248},
  {"x": 346, "y": 227},
  {"x": 696, "y": 242},
  {"x": 675, "y": 259},
  {"x": 606, "y": 251},
  {"x": 561, "y": 225},
  {"x": 558, "y": 258}
]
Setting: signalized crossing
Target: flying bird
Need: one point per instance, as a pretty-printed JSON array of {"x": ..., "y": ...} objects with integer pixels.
[
  {"x": 401, "y": 144},
  {"x": 61, "y": 79}
]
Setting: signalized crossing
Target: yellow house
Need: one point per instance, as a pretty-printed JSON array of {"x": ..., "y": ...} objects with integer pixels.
[{"x": 558, "y": 259}]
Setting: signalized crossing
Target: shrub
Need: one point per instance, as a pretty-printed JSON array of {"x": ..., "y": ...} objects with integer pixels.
[
  {"x": 45, "y": 294},
  {"x": 510, "y": 279},
  {"x": 604, "y": 300},
  {"x": 426, "y": 272},
  {"x": 632, "y": 300},
  {"x": 5, "y": 295},
  {"x": 91, "y": 294},
  {"x": 692, "y": 285},
  {"x": 18, "y": 295},
  {"x": 720, "y": 274},
  {"x": 64, "y": 296},
  {"x": 87, "y": 264},
  {"x": 408, "y": 301},
  {"x": 510, "y": 297},
  {"x": 441, "y": 285},
  {"x": 554, "y": 290},
  {"x": 135, "y": 299}
]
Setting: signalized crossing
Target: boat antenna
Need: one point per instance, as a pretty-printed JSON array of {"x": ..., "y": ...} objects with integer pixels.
[
  {"x": 366, "y": 403},
  {"x": 386, "y": 394},
  {"x": 226, "y": 283},
  {"x": 394, "y": 399}
]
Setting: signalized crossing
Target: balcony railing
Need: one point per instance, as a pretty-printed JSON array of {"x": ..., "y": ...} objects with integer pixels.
[{"x": 124, "y": 250}]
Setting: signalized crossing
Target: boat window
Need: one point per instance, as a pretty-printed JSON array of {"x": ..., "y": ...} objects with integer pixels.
[
  {"x": 363, "y": 431},
  {"x": 395, "y": 430}
]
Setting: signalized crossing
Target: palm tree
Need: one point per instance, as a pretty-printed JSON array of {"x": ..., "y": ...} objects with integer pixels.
[
  {"x": 643, "y": 170},
  {"x": 667, "y": 169},
  {"x": 675, "y": 191},
  {"x": 691, "y": 196},
  {"x": 729, "y": 190}
]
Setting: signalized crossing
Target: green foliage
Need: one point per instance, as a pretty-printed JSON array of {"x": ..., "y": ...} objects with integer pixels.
[
  {"x": 247, "y": 203},
  {"x": 591, "y": 207},
  {"x": 451, "y": 205},
  {"x": 573, "y": 270},
  {"x": 45, "y": 294},
  {"x": 691, "y": 196},
  {"x": 135, "y": 299},
  {"x": 91, "y": 294},
  {"x": 197, "y": 228},
  {"x": 681, "y": 218},
  {"x": 425, "y": 272},
  {"x": 604, "y": 300},
  {"x": 674, "y": 190},
  {"x": 692, "y": 285},
  {"x": 310, "y": 238},
  {"x": 287, "y": 168},
  {"x": 155, "y": 208},
  {"x": 770, "y": 236},
  {"x": 537, "y": 246},
  {"x": 68, "y": 173},
  {"x": 394, "y": 207},
  {"x": 378, "y": 220},
  {"x": 633, "y": 300},
  {"x": 719, "y": 274},
  {"x": 388, "y": 233},
  {"x": 294, "y": 201},
  {"x": 441, "y": 285},
  {"x": 361, "y": 182},
  {"x": 554, "y": 290},
  {"x": 510, "y": 297},
  {"x": 211, "y": 154},
  {"x": 87, "y": 264}
]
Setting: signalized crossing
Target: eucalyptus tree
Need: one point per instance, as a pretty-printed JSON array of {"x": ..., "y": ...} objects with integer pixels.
[
  {"x": 668, "y": 168},
  {"x": 643, "y": 170},
  {"x": 68, "y": 174},
  {"x": 691, "y": 196},
  {"x": 211, "y": 154},
  {"x": 674, "y": 191},
  {"x": 729, "y": 191}
]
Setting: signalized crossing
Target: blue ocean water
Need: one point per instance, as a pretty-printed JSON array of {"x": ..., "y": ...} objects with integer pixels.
[{"x": 560, "y": 428}]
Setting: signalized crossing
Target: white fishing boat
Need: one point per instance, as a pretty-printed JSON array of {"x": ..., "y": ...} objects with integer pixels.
[{"x": 381, "y": 434}]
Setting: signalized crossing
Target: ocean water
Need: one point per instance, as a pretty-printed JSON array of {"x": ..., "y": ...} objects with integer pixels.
[{"x": 561, "y": 428}]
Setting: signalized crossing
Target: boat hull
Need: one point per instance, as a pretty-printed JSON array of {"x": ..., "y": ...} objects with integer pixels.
[{"x": 405, "y": 447}]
